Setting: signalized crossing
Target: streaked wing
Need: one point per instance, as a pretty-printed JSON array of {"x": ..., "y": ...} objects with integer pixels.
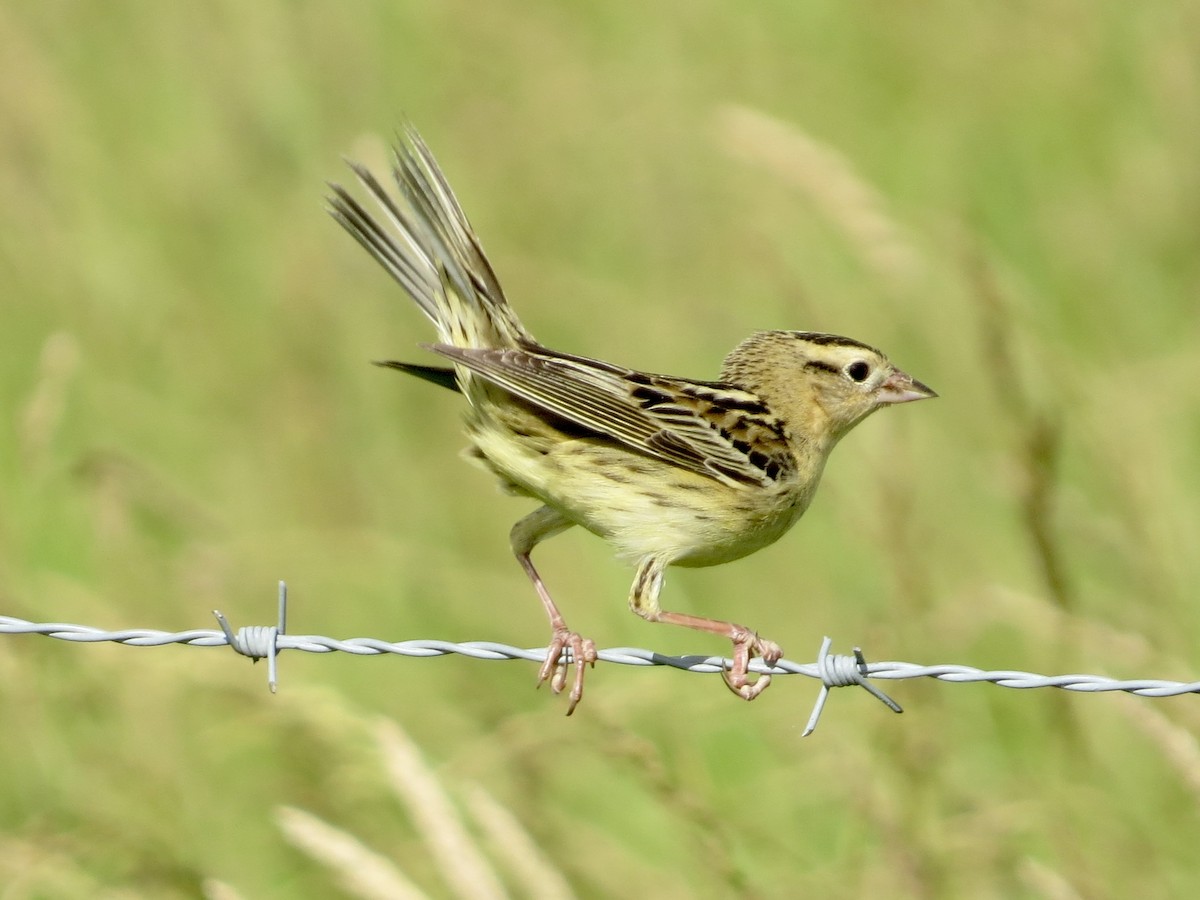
[{"x": 709, "y": 428}]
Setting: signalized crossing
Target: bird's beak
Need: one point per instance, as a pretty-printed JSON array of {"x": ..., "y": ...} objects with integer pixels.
[{"x": 900, "y": 387}]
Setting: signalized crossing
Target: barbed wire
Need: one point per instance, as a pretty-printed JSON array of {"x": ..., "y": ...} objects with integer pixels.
[{"x": 831, "y": 669}]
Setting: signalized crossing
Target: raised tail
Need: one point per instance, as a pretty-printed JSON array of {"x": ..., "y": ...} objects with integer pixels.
[{"x": 428, "y": 246}]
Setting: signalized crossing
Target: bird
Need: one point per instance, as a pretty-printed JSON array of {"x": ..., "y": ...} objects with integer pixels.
[{"x": 670, "y": 471}]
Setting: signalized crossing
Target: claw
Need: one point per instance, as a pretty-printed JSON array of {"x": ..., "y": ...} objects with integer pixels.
[
  {"x": 746, "y": 646},
  {"x": 554, "y": 669}
]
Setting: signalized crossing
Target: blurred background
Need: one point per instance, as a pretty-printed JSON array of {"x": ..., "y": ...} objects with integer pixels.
[{"x": 1004, "y": 197}]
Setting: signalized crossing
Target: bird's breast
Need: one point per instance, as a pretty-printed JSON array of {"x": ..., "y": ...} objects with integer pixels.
[{"x": 644, "y": 506}]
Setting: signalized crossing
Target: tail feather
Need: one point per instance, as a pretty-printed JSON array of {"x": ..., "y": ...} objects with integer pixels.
[
  {"x": 404, "y": 262},
  {"x": 442, "y": 376},
  {"x": 421, "y": 179},
  {"x": 429, "y": 248}
]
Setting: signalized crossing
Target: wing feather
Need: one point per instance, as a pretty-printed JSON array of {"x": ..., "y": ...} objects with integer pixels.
[{"x": 682, "y": 422}]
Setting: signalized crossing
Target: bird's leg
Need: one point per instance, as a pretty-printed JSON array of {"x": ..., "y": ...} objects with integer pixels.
[
  {"x": 527, "y": 534},
  {"x": 643, "y": 600}
]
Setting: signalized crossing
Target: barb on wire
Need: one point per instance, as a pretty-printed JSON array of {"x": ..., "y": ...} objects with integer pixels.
[
  {"x": 836, "y": 670},
  {"x": 258, "y": 641},
  {"x": 831, "y": 669}
]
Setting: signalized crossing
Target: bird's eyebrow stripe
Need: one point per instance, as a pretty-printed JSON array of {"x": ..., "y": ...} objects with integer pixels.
[{"x": 822, "y": 365}]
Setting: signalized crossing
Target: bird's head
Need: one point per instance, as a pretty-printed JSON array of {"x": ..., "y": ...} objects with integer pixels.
[{"x": 824, "y": 384}]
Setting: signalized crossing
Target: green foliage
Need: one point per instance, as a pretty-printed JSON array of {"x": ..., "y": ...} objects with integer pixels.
[{"x": 1005, "y": 197}]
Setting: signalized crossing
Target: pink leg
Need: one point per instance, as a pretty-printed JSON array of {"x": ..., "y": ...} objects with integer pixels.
[
  {"x": 643, "y": 599},
  {"x": 526, "y": 534}
]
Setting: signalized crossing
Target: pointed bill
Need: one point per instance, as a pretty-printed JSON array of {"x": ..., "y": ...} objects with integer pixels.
[{"x": 900, "y": 387}]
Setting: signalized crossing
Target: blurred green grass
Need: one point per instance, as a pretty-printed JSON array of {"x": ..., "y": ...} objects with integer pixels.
[{"x": 189, "y": 416}]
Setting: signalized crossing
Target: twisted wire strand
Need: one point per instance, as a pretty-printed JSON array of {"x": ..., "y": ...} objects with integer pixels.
[
  {"x": 628, "y": 656},
  {"x": 832, "y": 670}
]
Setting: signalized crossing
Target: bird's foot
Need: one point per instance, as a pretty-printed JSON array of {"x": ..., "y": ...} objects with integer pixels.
[
  {"x": 554, "y": 669},
  {"x": 746, "y": 646}
]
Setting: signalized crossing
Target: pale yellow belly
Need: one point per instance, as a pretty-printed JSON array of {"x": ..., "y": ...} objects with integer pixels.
[{"x": 645, "y": 507}]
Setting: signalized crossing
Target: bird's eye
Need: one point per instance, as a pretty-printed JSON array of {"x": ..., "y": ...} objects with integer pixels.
[{"x": 858, "y": 371}]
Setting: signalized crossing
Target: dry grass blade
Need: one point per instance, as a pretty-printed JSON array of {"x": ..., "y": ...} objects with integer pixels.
[
  {"x": 1042, "y": 430},
  {"x": 1178, "y": 745},
  {"x": 361, "y": 871},
  {"x": 828, "y": 179},
  {"x": 538, "y": 877},
  {"x": 464, "y": 868},
  {"x": 1046, "y": 882},
  {"x": 43, "y": 411},
  {"x": 215, "y": 889},
  {"x": 30, "y": 869}
]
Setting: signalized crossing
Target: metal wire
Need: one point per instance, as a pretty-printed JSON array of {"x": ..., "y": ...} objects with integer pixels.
[{"x": 832, "y": 670}]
